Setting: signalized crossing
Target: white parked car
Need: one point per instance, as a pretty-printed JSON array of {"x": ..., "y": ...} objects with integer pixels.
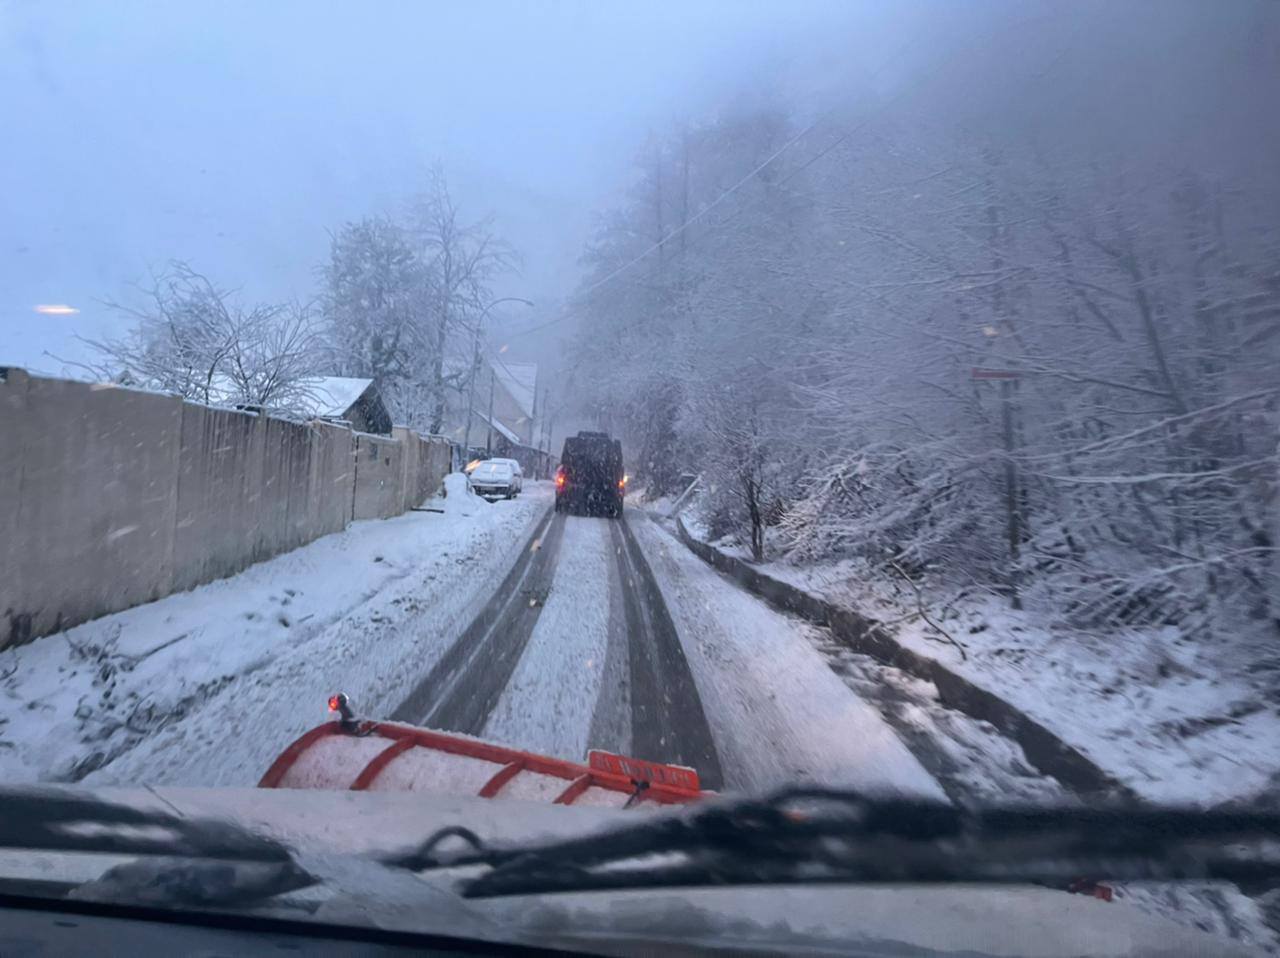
[
  {"x": 519, "y": 473},
  {"x": 495, "y": 479}
]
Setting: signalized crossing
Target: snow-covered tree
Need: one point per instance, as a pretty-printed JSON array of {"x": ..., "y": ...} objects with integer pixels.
[
  {"x": 375, "y": 294},
  {"x": 1005, "y": 348},
  {"x": 405, "y": 302},
  {"x": 460, "y": 261},
  {"x": 191, "y": 337}
]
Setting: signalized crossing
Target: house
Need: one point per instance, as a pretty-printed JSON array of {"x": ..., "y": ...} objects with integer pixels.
[
  {"x": 332, "y": 398},
  {"x": 501, "y": 402},
  {"x": 503, "y": 412},
  {"x": 342, "y": 399},
  {"x": 514, "y": 398}
]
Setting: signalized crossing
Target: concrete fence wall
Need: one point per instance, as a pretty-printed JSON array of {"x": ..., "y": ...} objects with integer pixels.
[
  {"x": 424, "y": 464},
  {"x": 378, "y": 476},
  {"x": 113, "y": 497}
]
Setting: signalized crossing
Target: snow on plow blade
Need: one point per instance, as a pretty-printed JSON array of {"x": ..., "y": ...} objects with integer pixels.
[{"x": 387, "y": 756}]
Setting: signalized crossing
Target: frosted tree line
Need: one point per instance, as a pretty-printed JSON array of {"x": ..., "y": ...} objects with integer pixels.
[{"x": 1029, "y": 350}]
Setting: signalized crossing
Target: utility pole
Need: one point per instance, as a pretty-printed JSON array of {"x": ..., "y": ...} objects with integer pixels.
[
  {"x": 475, "y": 371},
  {"x": 488, "y": 443},
  {"x": 534, "y": 422},
  {"x": 471, "y": 396}
]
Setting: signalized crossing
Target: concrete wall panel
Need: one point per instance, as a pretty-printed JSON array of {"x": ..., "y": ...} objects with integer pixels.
[
  {"x": 332, "y": 478},
  {"x": 378, "y": 475},
  {"x": 425, "y": 461},
  {"x": 91, "y": 515},
  {"x": 219, "y": 487},
  {"x": 410, "y": 452},
  {"x": 15, "y": 626},
  {"x": 434, "y": 465},
  {"x": 283, "y": 505}
]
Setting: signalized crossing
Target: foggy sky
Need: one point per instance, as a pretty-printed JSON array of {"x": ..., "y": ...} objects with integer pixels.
[{"x": 233, "y": 135}]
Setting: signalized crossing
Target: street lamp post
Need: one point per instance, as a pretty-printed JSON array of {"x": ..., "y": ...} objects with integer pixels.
[{"x": 475, "y": 368}]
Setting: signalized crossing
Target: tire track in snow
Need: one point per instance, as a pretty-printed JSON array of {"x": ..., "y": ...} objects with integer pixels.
[
  {"x": 459, "y": 693},
  {"x": 779, "y": 714},
  {"x": 560, "y": 682},
  {"x": 611, "y": 721},
  {"x": 667, "y": 720},
  {"x": 574, "y": 650}
]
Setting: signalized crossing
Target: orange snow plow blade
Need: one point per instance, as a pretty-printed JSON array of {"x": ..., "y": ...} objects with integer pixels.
[{"x": 387, "y": 756}]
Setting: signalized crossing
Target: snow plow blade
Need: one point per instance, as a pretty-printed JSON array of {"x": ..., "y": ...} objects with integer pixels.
[{"x": 387, "y": 756}]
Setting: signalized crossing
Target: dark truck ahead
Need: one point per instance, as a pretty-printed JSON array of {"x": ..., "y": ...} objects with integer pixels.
[{"x": 591, "y": 479}]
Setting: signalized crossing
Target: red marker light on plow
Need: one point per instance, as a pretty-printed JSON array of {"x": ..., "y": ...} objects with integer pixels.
[{"x": 342, "y": 705}]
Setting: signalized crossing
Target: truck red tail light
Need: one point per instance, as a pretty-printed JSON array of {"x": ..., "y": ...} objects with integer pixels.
[{"x": 559, "y": 478}]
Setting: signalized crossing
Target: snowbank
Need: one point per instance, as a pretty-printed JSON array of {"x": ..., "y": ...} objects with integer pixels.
[
  {"x": 205, "y": 687},
  {"x": 1167, "y": 718},
  {"x": 458, "y": 499}
]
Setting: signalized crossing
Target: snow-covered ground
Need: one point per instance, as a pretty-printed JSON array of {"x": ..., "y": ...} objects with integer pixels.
[
  {"x": 778, "y": 713},
  {"x": 1173, "y": 720},
  {"x": 1130, "y": 742},
  {"x": 205, "y": 687}
]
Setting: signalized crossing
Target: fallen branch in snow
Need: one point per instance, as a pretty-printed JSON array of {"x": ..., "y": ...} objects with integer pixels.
[
  {"x": 964, "y": 656},
  {"x": 1258, "y": 465},
  {"x": 135, "y": 659}
]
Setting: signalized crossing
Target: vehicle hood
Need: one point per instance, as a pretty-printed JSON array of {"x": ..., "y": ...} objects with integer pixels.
[{"x": 327, "y": 828}]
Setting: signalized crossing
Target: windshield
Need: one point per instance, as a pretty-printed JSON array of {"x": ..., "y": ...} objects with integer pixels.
[{"x": 686, "y": 402}]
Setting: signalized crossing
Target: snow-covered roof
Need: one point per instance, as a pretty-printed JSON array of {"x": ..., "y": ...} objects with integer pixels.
[
  {"x": 330, "y": 396},
  {"x": 520, "y": 380},
  {"x": 497, "y": 424},
  {"x": 322, "y": 397}
]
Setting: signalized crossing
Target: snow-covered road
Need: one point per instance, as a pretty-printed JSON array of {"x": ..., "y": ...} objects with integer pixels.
[
  {"x": 555, "y": 634},
  {"x": 616, "y": 637},
  {"x": 549, "y": 703},
  {"x": 778, "y": 713}
]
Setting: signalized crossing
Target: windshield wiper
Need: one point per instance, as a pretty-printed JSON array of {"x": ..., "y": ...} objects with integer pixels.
[
  {"x": 814, "y": 835},
  {"x": 55, "y": 820},
  {"x": 185, "y": 861}
]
